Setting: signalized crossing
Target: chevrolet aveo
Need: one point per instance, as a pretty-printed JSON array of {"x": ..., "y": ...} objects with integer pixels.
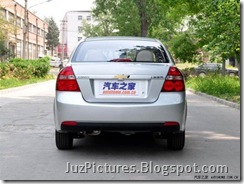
[{"x": 120, "y": 84}]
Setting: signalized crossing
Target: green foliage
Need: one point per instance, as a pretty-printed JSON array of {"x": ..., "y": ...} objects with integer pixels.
[
  {"x": 6, "y": 26},
  {"x": 102, "y": 28},
  {"x": 218, "y": 27},
  {"x": 4, "y": 52},
  {"x": 224, "y": 87},
  {"x": 154, "y": 18},
  {"x": 13, "y": 82},
  {"x": 188, "y": 27},
  {"x": 188, "y": 72},
  {"x": 24, "y": 69},
  {"x": 183, "y": 47},
  {"x": 41, "y": 67},
  {"x": 5, "y": 69},
  {"x": 131, "y": 17},
  {"x": 127, "y": 21}
]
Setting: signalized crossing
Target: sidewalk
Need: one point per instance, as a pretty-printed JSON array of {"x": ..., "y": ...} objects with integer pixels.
[{"x": 15, "y": 89}]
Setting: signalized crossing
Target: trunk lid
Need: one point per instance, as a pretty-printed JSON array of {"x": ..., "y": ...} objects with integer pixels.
[{"x": 120, "y": 82}]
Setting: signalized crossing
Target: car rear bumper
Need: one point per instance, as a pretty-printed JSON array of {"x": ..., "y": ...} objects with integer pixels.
[
  {"x": 169, "y": 107},
  {"x": 152, "y": 127}
]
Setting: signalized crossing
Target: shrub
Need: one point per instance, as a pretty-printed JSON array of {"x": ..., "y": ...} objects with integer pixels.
[
  {"x": 41, "y": 67},
  {"x": 6, "y": 70},
  {"x": 24, "y": 69}
]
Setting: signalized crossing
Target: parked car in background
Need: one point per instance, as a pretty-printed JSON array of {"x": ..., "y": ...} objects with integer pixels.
[
  {"x": 55, "y": 62},
  {"x": 63, "y": 64},
  {"x": 205, "y": 68},
  {"x": 120, "y": 84}
]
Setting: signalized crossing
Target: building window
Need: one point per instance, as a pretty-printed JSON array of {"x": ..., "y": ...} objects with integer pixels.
[
  {"x": 3, "y": 13},
  {"x": 34, "y": 29},
  {"x": 39, "y": 31},
  {"x": 42, "y": 33},
  {"x": 19, "y": 21},
  {"x": 88, "y": 18},
  {"x": 79, "y": 29},
  {"x": 30, "y": 27},
  {"x": 10, "y": 16},
  {"x": 79, "y": 17}
]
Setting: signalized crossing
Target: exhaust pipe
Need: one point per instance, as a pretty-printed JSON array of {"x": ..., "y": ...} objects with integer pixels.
[{"x": 95, "y": 132}]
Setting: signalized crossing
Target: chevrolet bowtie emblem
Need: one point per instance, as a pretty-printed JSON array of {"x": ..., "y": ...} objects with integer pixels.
[{"x": 121, "y": 77}]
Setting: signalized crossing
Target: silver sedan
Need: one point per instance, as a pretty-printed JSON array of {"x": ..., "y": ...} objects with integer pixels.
[{"x": 120, "y": 84}]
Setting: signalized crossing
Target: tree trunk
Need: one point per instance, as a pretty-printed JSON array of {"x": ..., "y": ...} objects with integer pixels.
[
  {"x": 238, "y": 63},
  {"x": 223, "y": 67},
  {"x": 51, "y": 50},
  {"x": 143, "y": 17},
  {"x": 144, "y": 25}
]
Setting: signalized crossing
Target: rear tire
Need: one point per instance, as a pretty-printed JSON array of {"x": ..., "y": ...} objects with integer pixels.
[
  {"x": 64, "y": 140},
  {"x": 176, "y": 141}
]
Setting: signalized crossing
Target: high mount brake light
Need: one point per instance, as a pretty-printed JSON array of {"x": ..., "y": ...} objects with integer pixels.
[
  {"x": 121, "y": 60},
  {"x": 66, "y": 80},
  {"x": 174, "y": 81}
]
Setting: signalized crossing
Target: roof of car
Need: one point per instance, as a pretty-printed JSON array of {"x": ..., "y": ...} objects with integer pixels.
[{"x": 121, "y": 38}]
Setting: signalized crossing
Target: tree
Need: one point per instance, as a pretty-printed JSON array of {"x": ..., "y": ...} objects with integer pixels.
[
  {"x": 183, "y": 47},
  {"x": 153, "y": 18},
  {"x": 131, "y": 17},
  {"x": 52, "y": 35},
  {"x": 211, "y": 25},
  {"x": 4, "y": 52},
  {"x": 173, "y": 28},
  {"x": 102, "y": 27},
  {"x": 184, "y": 25},
  {"x": 9, "y": 26},
  {"x": 218, "y": 28}
]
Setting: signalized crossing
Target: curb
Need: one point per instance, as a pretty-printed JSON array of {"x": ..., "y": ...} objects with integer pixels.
[{"x": 216, "y": 99}]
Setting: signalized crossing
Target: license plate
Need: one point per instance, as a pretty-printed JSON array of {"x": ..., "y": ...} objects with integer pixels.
[{"x": 126, "y": 88}]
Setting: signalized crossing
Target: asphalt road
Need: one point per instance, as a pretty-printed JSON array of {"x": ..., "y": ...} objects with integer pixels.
[{"x": 28, "y": 150}]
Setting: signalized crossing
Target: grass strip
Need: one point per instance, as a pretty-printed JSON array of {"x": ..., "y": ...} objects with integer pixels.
[
  {"x": 14, "y": 82},
  {"x": 224, "y": 87}
]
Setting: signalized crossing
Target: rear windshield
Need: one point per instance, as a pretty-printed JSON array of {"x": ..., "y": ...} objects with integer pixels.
[{"x": 120, "y": 51}]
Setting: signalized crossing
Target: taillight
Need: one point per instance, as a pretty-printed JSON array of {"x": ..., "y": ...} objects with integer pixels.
[
  {"x": 174, "y": 81},
  {"x": 66, "y": 80}
]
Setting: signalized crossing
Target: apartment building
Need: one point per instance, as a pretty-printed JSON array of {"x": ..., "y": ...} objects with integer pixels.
[
  {"x": 70, "y": 30},
  {"x": 35, "y": 32}
]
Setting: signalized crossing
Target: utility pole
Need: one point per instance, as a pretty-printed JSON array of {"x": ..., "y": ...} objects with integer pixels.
[
  {"x": 37, "y": 33},
  {"x": 25, "y": 30},
  {"x": 62, "y": 49}
]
